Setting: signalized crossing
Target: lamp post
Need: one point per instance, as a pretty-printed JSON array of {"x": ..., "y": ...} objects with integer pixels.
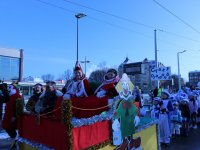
[
  {"x": 85, "y": 61},
  {"x": 179, "y": 75},
  {"x": 78, "y": 16}
]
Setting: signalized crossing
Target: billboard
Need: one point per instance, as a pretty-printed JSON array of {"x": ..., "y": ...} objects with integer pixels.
[{"x": 133, "y": 68}]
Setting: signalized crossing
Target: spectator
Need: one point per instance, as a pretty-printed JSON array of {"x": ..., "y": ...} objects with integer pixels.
[
  {"x": 4, "y": 97},
  {"x": 37, "y": 91},
  {"x": 155, "y": 92},
  {"x": 47, "y": 99}
]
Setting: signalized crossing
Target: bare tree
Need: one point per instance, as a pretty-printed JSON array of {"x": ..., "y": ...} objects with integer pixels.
[
  {"x": 102, "y": 65},
  {"x": 66, "y": 75},
  {"x": 97, "y": 76},
  {"x": 47, "y": 77}
]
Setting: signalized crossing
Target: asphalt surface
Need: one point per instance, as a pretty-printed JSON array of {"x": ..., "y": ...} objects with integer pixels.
[{"x": 191, "y": 142}]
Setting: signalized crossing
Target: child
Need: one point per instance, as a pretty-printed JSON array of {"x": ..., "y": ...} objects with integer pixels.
[
  {"x": 155, "y": 108},
  {"x": 185, "y": 113},
  {"x": 198, "y": 115},
  {"x": 193, "y": 105},
  {"x": 165, "y": 109},
  {"x": 176, "y": 120}
]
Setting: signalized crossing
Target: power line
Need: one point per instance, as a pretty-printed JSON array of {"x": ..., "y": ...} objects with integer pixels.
[
  {"x": 56, "y": 6},
  {"x": 98, "y": 20},
  {"x": 181, "y": 36},
  {"x": 131, "y": 21},
  {"x": 113, "y": 15},
  {"x": 177, "y": 17},
  {"x": 121, "y": 27}
]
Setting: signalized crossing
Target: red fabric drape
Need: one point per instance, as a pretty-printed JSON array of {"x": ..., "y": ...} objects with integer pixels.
[
  {"x": 53, "y": 133},
  {"x": 50, "y": 132},
  {"x": 86, "y": 136},
  {"x": 91, "y": 102}
]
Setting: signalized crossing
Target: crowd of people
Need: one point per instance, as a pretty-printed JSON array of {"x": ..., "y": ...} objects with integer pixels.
[{"x": 176, "y": 113}]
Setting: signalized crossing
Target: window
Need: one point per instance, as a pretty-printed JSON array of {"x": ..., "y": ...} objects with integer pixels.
[{"x": 9, "y": 68}]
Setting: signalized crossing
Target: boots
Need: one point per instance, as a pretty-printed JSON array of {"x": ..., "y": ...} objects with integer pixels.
[
  {"x": 124, "y": 145},
  {"x": 134, "y": 143}
]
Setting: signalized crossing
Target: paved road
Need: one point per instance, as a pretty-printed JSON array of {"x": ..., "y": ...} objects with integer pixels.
[{"x": 192, "y": 142}]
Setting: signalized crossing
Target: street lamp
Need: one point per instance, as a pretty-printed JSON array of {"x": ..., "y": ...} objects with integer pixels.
[
  {"x": 179, "y": 75},
  {"x": 85, "y": 61},
  {"x": 78, "y": 16}
]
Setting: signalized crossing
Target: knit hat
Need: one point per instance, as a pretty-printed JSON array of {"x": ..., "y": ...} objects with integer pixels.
[
  {"x": 184, "y": 100},
  {"x": 156, "y": 98},
  {"x": 166, "y": 92},
  {"x": 175, "y": 103}
]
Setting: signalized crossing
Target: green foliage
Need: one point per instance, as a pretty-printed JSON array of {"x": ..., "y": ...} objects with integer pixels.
[{"x": 94, "y": 86}]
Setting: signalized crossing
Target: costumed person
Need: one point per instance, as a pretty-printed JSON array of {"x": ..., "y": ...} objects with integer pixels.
[
  {"x": 37, "y": 91},
  {"x": 9, "y": 122},
  {"x": 185, "y": 113},
  {"x": 175, "y": 120},
  {"x": 193, "y": 105},
  {"x": 155, "y": 109},
  {"x": 126, "y": 111},
  {"x": 165, "y": 110},
  {"x": 47, "y": 99},
  {"x": 4, "y": 96},
  {"x": 198, "y": 115},
  {"x": 107, "y": 88},
  {"x": 78, "y": 86}
]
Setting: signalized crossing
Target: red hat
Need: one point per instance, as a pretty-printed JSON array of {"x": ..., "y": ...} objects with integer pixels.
[{"x": 78, "y": 67}]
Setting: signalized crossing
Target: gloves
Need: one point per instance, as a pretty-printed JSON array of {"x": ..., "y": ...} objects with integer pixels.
[
  {"x": 101, "y": 94},
  {"x": 136, "y": 121}
]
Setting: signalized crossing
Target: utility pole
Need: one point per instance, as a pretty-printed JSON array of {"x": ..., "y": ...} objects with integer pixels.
[
  {"x": 156, "y": 56},
  {"x": 85, "y": 61},
  {"x": 155, "y": 40},
  {"x": 179, "y": 75}
]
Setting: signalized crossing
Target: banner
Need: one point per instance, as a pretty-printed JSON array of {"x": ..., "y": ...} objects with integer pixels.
[{"x": 161, "y": 73}]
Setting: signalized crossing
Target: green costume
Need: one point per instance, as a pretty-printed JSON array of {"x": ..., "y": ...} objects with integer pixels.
[{"x": 126, "y": 112}]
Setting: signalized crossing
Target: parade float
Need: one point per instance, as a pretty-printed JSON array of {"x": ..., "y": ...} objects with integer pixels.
[{"x": 82, "y": 123}]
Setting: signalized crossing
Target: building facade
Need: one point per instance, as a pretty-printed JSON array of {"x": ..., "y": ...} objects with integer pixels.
[
  {"x": 139, "y": 73},
  {"x": 194, "y": 77},
  {"x": 11, "y": 64}
]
